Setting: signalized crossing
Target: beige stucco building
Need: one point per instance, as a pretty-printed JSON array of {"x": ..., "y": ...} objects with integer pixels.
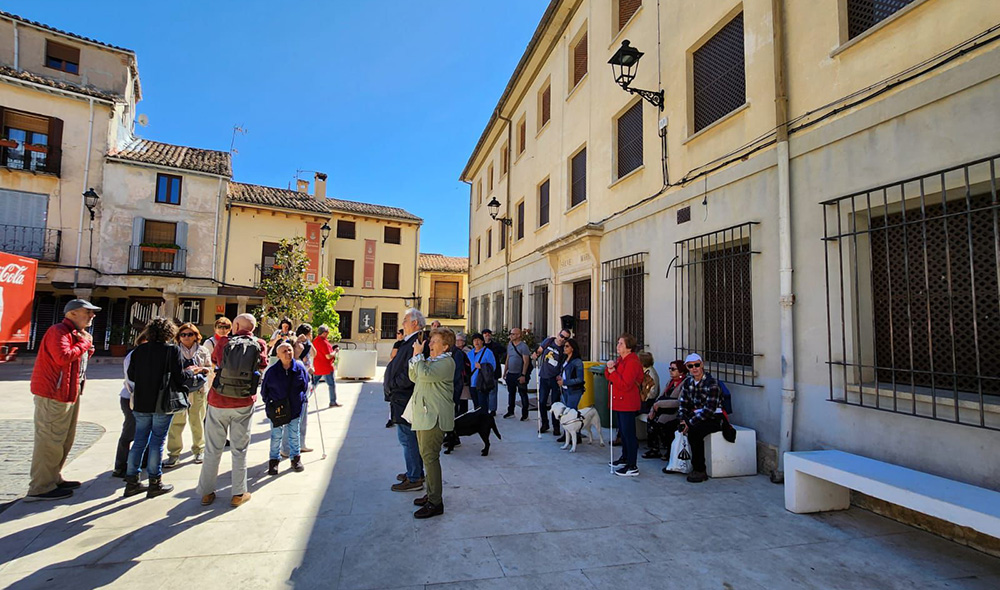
[
  {"x": 444, "y": 287},
  {"x": 813, "y": 210}
]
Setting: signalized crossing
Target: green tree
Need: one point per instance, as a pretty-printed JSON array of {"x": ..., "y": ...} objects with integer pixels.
[
  {"x": 286, "y": 292},
  {"x": 323, "y": 304}
]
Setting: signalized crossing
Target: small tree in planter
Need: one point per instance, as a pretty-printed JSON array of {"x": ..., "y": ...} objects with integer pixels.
[{"x": 286, "y": 293}]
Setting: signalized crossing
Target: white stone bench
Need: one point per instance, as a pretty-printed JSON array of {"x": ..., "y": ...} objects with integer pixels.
[
  {"x": 726, "y": 459},
  {"x": 817, "y": 481}
]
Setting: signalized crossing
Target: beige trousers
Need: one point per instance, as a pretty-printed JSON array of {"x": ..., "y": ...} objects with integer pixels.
[
  {"x": 55, "y": 431},
  {"x": 195, "y": 415}
]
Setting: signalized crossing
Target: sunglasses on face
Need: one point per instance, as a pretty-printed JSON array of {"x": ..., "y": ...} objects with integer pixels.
[
  {"x": 693, "y": 365},
  {"x": 674, "y": 369},
  {"x": 187, "y": 334}
]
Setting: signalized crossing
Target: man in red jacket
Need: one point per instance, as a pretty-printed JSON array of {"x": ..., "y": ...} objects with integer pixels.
[{"x": 57, "y": 382}]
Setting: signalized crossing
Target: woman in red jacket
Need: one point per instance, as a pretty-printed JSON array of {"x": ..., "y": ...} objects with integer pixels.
[{"x": 625, "y": 376}]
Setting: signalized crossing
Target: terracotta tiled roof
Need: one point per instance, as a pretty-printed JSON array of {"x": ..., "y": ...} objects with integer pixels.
[
  {"x": 175, "y": 156},
  {"x": 61, "y": 85},
  {"x": 440, "y": 263},
  {"x": 55, "y": 30},
  {"x": 269, "y": 196}
]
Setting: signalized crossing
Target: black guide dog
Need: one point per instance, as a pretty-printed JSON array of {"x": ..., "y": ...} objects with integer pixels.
[{"x": 468, "y": 424}]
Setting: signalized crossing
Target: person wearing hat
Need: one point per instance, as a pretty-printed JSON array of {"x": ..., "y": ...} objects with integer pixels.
[
  {"x": 700, "y": 412},
  {"x": 57, "y": 381}
]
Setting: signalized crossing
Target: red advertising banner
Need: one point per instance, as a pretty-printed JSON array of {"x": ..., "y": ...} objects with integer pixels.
[
  {"x": 369, "y": 264},
  {"x": 313, "y": 245},
  {"x": 17, "y": 292}
]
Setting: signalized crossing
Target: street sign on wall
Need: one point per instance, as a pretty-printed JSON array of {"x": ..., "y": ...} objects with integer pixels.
[{"x": 17, "y": 293}]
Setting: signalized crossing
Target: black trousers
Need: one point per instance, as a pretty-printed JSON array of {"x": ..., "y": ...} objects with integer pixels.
[
  {"x": 514, "y": 387},
  {"x": 461, "y": 407},
  {"x": 125, "y": 440},
  {"x": 661, "y": 436},
  {"x": 696, "y": 437}
]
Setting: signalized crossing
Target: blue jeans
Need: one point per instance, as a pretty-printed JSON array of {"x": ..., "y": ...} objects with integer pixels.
[
  {"x": 572, "y": 398},
  {"x": 303, "y": 417},
  {"x": 411, "y": 452},
  {"x": 493, "y": 398},
  {"x": 150, "y": 431},
  {"x": 481, "y": 397},
  {"x": 548, "y": 391},
  {"x": 331, "y": 383},
  {"x": 291, "y": 434},
  {"x": 630, "y": 444}
]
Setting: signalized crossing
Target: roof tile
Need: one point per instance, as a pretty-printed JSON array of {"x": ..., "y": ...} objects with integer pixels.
[
  {"x": 441, "y": 263},
  {"x": 270, "y": 196},
  {"x": 59, "y": 84},
  {"x": 175, "y": 156}
]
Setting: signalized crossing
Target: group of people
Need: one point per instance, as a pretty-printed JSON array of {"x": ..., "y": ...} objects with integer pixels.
[{"x": 219, "y": 377}]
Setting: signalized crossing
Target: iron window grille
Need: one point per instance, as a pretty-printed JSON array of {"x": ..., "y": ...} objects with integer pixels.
[
  {"x": 540, "y": 307},
  {"x": 623, "y": 289},
  {"x": 630, "y": 139},
  {"x": 498, "y": 311},
  {"x": 719, "y": 75},
  {"x": 474, "y": 314},
  {"x": 578, "y": 178},
  {"x": 543, "y": 204},
  {"x": 714, "y": 301},
  {"x": 390, "y": 323},
  {"x": 346, "y": 322},
  {"x": 865, "y": 14},
  {"x": 516, "y": 304},
  {"x": 913, "y": 296},
  {"x": 35, "y": 242},
  {"x": 190, "y": 310}
]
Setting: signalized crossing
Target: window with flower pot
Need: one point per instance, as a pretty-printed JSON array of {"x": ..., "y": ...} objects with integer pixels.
[
  {"x": 30, "y": 141},
  {"x": 168, "y": 189},
  {"x": 64, "y": 58}
]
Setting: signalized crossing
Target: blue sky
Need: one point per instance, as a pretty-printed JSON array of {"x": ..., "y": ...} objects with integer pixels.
[{"x": 388, "y": 98}]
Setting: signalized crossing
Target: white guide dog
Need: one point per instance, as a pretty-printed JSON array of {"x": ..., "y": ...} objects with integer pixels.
[{"x": 574, "y": 422}]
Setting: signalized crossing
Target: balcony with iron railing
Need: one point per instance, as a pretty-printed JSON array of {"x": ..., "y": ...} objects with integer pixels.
[
  {"x": 33, "y": 242},
  {"x": 157, "y": 260},
  {"x": 449, "y": 308}
]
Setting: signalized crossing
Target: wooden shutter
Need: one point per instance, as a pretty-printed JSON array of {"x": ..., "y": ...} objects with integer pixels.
[
  {"x": 578, "y": 171},
  {"x": 580, "y": 60},
  {"x": 390, "y": 276},
  {"x": 180, "y": 260},
  {"x": 546, "y": 106},
  {"x": 343, "y": 273},
  {"x": 392, "y": 235},
  {"x": 626, "y": 8},
  {"x": 62, "y": 52},
  {"x": 543, "y": 204},
  {"x": 53, "y": 161},
  {"x": 522, "y": 132},
  {"x": 489, "y": 242},
  {"x": 520, "y": 220}
]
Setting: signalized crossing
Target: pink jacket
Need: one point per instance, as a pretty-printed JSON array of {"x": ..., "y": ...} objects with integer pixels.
[{"x": 57, "y": 368}]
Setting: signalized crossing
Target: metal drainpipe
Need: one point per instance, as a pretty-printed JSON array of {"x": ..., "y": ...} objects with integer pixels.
[
  {"x": 503, "y": 227},
  {"x": 787, "y": 299},
  {"x": 86, "y": 180}
]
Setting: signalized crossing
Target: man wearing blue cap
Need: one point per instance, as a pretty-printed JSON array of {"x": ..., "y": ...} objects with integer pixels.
[{"x": 57, "y": 382}]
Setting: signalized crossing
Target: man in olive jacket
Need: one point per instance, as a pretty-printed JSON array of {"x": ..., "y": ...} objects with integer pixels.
[{"x": 433, "y": 411}]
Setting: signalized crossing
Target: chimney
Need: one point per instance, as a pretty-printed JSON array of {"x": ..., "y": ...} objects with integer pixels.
[
  {"x": 302, "y": 186},
  {"x": 319, "y": 186}
]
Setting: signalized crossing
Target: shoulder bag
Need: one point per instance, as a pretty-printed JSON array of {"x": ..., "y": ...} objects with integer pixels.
[{"x": 169, "y": 400}]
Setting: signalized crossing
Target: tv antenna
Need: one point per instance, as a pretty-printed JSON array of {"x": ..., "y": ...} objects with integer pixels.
[{"x": 232, "y": 145}]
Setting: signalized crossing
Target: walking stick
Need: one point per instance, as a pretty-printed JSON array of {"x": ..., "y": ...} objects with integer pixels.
[
  {"x": 538, "y": 402},
  {"x": 611, "y": 426},
  {"x": 322, "y": 440}
]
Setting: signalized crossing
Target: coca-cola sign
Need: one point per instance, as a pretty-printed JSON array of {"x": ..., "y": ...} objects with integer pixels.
[
  {"x": 17, "y": 293},
  {"x": 13, "y": 274}
]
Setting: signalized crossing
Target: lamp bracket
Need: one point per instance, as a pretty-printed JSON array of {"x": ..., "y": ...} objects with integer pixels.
[{"x": 655, "y": 98}]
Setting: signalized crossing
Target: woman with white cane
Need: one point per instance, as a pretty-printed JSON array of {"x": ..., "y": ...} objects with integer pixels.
[{"x": 625, "y": 377}]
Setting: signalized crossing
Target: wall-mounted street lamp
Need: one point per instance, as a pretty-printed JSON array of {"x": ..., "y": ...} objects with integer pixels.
[
  {"x": 494, "y": 207},
  {"x": 90, "y": 199},
  {"x": 324, "y": 232},
  {"x": 624, "y": 64}
]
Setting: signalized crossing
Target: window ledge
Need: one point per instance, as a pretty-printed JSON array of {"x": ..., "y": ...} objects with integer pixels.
[
  {"x": 30, "y": 171},
  {"x": 578, "y": 84},
  {"x": 616, "y": 40},
  {"x": 627, "y": 176},
  {"x": 718, "y": 122},
  {"x": 542, "y": 227},
  {"x": 878, "y": 26},
  {"x": 575, "y": 207},
  {"x": 517, "y": 158},
  {"x": 543, "y": 127}
]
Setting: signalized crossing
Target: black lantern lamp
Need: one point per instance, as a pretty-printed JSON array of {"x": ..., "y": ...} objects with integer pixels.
[
  {"x": 494, "y": 207},
  {"x": 324, "y": 232},
  {"x": 90, "y": 199},
  {"x": 624, "y": 64}
]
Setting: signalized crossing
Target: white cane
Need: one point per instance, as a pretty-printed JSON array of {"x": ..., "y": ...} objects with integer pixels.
[
  {"x": 611, "y": 426},
  {"x": 322, "y": 441},
  {"x": 538, "y": 402}
]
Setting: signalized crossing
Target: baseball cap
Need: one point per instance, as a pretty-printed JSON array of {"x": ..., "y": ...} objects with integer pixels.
[
  {"x": 487, "y": 331},
  {"x": 693, "y": 358},
  {"x": 78, "y": 303}
]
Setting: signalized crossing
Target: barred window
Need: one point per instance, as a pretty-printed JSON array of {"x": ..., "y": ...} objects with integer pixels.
[
  {"x": 544, "y": 106},
  {"x": 540, "y": 305},
  {"x": 473, "y": 315},
  {"x": 543, "y": 204},
  {"x": 714, "y": 302},
  {"x": 578, "y": 178},
  {"x": 865, "y": 14},
  {"x": 630, "y": 140},
  {"x": 719, "y": 73},
  {"x": 912, "y": 296},
  {"x": 579, "y": 60},
  {"x": 484, "y": 318},
  {"x": 498, "y": 311},
  {"x": 626, "y": 8},
  {"x": 624, "y": 295},
  {"x": 190, "y": 311},
  {"x": 346, "y": 322},
  {"x": 520, "y": 220},
  {"x": 390, "y": 323},
  {"x": 516, "y": 304}
]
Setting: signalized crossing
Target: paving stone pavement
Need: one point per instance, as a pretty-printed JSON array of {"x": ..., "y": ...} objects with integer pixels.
[{"x": 528, "y": 516}]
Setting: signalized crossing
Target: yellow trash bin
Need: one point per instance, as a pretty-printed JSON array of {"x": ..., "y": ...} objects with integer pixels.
[{"x": 588, "y": 383}]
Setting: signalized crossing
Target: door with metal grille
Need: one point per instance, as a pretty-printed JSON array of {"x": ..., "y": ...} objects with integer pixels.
[{"x": 581, "y": 312}]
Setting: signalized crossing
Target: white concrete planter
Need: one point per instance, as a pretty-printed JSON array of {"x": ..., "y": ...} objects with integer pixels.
[{"x": 356, "y": 364}]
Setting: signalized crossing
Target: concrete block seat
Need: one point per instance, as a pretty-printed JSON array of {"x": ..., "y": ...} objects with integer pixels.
[
  {"x": 817, "y": 481},
  {"x": 726, "y": 459}
]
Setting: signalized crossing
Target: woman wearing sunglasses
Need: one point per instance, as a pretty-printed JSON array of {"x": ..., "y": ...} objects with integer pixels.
[
  {"x": 700, "y": 412},
  {"x": 197, "y": 361}
]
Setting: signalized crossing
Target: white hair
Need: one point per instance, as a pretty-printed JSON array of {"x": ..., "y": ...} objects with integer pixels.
[
  {"x": 417, "y": 316},
  {"x": 246, "y": 318}
]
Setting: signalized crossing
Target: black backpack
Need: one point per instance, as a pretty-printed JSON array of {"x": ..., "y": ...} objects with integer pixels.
[
  {"x": 487, "y": 374},
  {"x": 239, "y": 373}
]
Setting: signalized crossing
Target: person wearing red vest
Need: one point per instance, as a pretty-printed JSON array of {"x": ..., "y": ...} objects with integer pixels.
[
  {"x": 323, "y": 364},
  {"x": 625, "y": 376},
  {"x": 57, "y": 381}
]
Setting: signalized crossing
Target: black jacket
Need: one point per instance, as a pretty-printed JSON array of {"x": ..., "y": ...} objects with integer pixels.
[
  {"x": 396, "y": 382},
  {"x": 150, "y": 361},
  {"x": 463, "y": 370}
]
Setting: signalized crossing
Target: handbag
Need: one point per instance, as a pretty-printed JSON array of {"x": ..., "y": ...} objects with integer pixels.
[
  {"x": 680, "y": 454},
  {"x": 466, "y": 393},
  {"x": 408, "y": 411},
  {"x": 279, "y": 412},
  {"x": 169, "y": 400}
]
